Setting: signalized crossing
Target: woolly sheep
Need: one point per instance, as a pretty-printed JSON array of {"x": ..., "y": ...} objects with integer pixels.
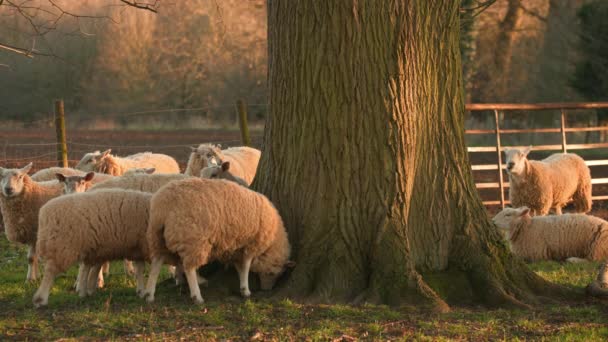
[
  {"x": 555, "y": 237},
  {"x": 92, "y": 228},
  {"x": 77, "y": 184},
  {"x": 20, "y": 202},
  {"x": 548, "y": 183},
  {"x": 140, "y": 182},
  {"x": 244, "y": 160},
  {"x": 222, "y": 172},
  {"x": 200, "y": 220},
  {"x": 49, "y": 173},
  {"x": 117, "y": 166}
]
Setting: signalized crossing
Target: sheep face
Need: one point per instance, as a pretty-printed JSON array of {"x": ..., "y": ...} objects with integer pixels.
[
  {"x": 516, "y": 160},
  {"x": 216, "y": 171},
  {"x": 73, "y": 184},
  {"x": 140, "y": 171},
  {"x": 269, "y": 278},
  {"x": 90, "y": 160},
  {"x": 508, "y": 216},
  {"x": 206, "y": 154},
  {"x": 11, "y": 180}
]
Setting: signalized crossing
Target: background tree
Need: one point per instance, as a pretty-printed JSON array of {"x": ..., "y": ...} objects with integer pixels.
[{"x": 364, "y": 156}]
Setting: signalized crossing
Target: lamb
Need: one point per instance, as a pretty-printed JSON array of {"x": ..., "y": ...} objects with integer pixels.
[
  {"x": 49, "y": 173},
  {"x": 244, "y": 160},
  {"x": 222, "y": 172},
  {"x": 116, "y": 166},
  {"x": 105, "y": 225},
  {"x": 549, "y": 183},
  {"x": 198, "y": 220},
  {"x": 20, "y": 202},
  {"x": 555, "y": 237},
  {"x": 140, "y": 182}
]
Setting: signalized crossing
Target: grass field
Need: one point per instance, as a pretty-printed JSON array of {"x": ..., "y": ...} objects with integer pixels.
[{"x": 116, "y": 313}]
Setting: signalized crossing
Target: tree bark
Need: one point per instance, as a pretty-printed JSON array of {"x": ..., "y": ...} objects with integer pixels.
[{"x": 364, "y": 156}]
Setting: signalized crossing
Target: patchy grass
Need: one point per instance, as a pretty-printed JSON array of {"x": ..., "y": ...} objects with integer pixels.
[{"x": 116, "y": 313}]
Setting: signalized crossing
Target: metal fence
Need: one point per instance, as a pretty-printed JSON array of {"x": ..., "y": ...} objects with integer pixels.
[{"x": 505, "y": 108}]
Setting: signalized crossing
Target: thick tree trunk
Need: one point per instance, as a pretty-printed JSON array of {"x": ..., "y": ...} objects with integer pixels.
[{"x": 364, "y": 156}]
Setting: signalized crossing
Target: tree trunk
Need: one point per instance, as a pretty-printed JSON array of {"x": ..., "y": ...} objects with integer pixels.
[{"x": 364, "y": 156}]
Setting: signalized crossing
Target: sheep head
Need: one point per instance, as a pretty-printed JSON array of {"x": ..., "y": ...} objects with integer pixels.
[
  {"x": 515, "y": 160},
  {"x": 73, "y": 184},
  {"x": 11, "y": 180},
  {"x": 510, "y": 218},
  {"x": 90, "y": 160}
]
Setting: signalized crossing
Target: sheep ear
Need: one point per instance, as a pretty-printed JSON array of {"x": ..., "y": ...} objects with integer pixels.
[
  {"x": 219, "y": 146},
  {"x": 225, "y": 166},
  {"x": 27, "y": 168},
  {"x": 105, "y": 153},
  {"x": 527, "y": 150},
  {"x": 150, "y": 170},
  {"x": 524, "y": 211},
  {"x": 193, "y": 149},
  {"x": 60, "y": 177},
  {"x": 89, "y": 176}
]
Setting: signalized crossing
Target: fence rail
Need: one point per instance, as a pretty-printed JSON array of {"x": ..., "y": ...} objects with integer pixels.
[{"x": 498, "y": 108}]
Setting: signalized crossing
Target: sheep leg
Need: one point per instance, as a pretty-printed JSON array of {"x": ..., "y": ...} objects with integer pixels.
[
  {"x": 243, "y": 269},
  {"x": 41, "y": 297},
  {"x": 93, "y": 278},
  {"x": 195, "y": 291},
  {"x": 106, "y": 268},
  {"x": 83, "y": 273},
  {"x": 155, "y": 267},
  {"x": 140, "y": 267},
  {"x": 129, "y": 270},
  {"x": 32, "y": 264},
  {"x": 179, "y": 276},
  {"x": 558, "y": 210}
]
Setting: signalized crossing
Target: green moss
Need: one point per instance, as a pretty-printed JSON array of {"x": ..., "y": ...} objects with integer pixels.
[{"x": 451, "y": 285}]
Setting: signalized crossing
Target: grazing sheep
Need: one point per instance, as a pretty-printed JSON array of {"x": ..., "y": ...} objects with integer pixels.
[
  {"x": 92, "y": 228},
  {"x": 555, "y": 237},
  {"x": 599, "y": 287},
  {"x": 140, "y": 182},
  {"x": 548, "y": 183},
  {"x": 222, "y": 172},
  {"x": 49, "y": 173},
  {"x": 244, "y": 160},
  {"x": 20, "y": 202},
  {"x": 117, "y": 166},
  {"x": 199, "y": 220}
]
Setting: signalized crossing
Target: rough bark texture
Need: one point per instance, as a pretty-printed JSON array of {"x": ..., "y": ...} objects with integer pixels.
[{"x": 364, "y": 156}]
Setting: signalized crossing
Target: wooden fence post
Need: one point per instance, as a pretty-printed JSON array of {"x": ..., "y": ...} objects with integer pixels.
[
  {"x": 563, "y": 130},
  {"x": 62, "y": 148},
  {"x": 498, "y": 154},
  {"x": 241, "y": 109}
]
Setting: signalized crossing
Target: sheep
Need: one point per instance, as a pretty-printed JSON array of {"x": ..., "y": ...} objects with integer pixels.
[
  {"x": 49, "y": 173},
  {"x": 76, "y": 184},
  {"x": 116, "y": 166},
  {"x": 140, "y": 182},
  {"x": 555, "y": 237},
  {"x": 20, "y": 202},
  {"x": 92, "y": 228},
  {"x": 222, "y": 172},
  {"x": 599, "y": 287},
  {"x": 140, "y": 171},
  {"x": 548, "y": 183},
  {"x": 194, "y": 221},
  {"x": 244, "y": 160}
]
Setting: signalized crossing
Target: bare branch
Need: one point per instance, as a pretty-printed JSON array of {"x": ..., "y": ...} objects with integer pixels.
[
  {"x": 532, "y": 13},
  {"x": 152, "y": 7}
]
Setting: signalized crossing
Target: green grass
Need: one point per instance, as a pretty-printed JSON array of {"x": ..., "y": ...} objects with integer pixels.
[{"x": 116, "y": 313}]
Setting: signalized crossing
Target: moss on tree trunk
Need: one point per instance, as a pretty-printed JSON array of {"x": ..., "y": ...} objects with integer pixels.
[{"x": 364, "y": 156}]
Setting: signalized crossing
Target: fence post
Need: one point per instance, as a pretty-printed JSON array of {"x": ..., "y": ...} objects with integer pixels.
[
  {"x": 241, "y": 109},
  {"x": 498, "y": 148},
  {"x": 62, "y": 149},
  {"x": 563, "y": 130}
]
